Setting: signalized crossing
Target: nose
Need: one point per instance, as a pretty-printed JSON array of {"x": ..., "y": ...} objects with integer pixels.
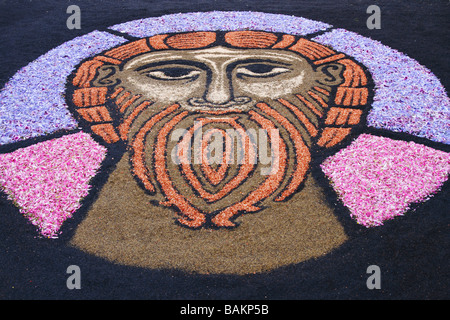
[{"x": 219, "y": 90}]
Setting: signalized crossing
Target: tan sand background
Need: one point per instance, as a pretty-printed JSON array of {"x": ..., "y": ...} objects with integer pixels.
[{"x": 124, "y": 227}]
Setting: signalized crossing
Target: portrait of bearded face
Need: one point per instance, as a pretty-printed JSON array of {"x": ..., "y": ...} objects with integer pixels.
[{"x": 219, "y": 126}]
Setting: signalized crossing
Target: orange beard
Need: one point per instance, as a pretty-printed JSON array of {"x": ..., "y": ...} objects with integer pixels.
[{"x": 171, "y": 157}]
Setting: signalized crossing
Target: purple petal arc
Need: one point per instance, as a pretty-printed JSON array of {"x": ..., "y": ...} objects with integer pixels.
[
  {"x": 408, "y": 97},
  {"x": 220, "y": 20},
  {"x": 32, "y": 102}
]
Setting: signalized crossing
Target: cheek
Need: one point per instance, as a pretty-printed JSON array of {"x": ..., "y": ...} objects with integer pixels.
[
  {"x": 168, "y": 91},
  {"x": 270, "y": 89}
]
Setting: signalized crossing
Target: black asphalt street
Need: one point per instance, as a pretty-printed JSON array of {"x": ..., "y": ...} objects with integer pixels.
[{"x": 412, "y": 251}]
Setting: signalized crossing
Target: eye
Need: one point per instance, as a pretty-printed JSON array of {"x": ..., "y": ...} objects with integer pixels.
[
  {"x": 172, "y": 73},
  {"x": 260, "y": 70}
]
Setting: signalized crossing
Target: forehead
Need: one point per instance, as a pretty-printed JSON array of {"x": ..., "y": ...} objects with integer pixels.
[{"x": 217, "y": 54}]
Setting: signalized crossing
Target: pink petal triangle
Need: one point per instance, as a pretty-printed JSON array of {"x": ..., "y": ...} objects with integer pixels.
[
  {"x": 47, "y": 180},
  {"x": 378, "y": 178}
]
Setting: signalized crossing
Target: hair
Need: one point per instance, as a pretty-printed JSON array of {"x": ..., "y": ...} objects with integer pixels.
[{"x": 342, "y": 112}]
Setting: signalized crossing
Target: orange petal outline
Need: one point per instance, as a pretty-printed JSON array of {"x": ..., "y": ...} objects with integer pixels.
[
  {"x": 191, "y": 216},
  {"x": 269, "y": 185},
  {"x": 137, "y": 158}
]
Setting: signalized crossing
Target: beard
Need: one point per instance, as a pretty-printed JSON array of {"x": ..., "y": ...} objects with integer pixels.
[{"x": 211, "y": 168}]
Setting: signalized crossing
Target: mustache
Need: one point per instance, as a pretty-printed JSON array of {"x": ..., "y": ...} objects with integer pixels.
[{"x": 236, "y": 103}]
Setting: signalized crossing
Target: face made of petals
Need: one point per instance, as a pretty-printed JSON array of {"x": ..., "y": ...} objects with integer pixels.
[{"x": 217, "y": 77}]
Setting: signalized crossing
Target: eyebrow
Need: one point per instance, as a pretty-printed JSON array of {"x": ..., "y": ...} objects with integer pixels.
[
  {"x": 260, "y": 61},
  {"x": 166, "y": 62},
  {"x": 205, "y": 67}
]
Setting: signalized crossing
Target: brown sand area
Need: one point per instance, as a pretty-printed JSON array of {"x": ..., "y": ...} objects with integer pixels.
[{"x": 122, "y": 226}]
